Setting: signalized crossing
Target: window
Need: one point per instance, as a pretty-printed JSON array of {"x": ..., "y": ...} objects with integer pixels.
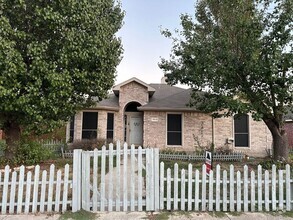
[
  {"x": 71, "y": 129},
  {"x": 241, "y": 131},
  {"x": 89, "y": 125},
  {"x": 174, "y": 129},
  {"x": 110, "y": 126}
]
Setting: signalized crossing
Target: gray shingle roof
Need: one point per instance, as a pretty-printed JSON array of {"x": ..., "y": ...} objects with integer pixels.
[
  {"x": 164, "y": 98},
  {"x": 177, "y": 101}
]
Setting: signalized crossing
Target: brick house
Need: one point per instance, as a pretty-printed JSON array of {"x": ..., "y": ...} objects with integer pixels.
[
  {"x": 289, "y": 128},
  {"x": 156, "y": 115}
]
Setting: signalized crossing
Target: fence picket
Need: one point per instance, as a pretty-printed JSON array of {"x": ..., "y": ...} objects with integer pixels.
[
  {"x": 20, "y": 190},
  {"x": 218, "y": 187},
  {"x": 238, "y": 191},
  {"x": 12, "y": 193},
  {"x": 169, "y": 189},
  {"x": 65, "y": 188},
  {"x": 36, "y": 189},
  {"x": 225, "y": 191},
  {"x": 196, "y": 191},
  {"x": 182, "y": 199},
  {"x": 162, "y": 181},
  {"x": 103, "y": 184},
  {"x": 110, "y": 189},
  {"x": 267, "y": 194},
  {"x": 175, "y": 191},
  {"x": 118, "y": 157},
  {"x": 95, "y": 180},
  {"x": 245, "y": 190},
  {"x": 5, "y": 189},
  {"x": 132, "y": 178},
  {"x": 43, "y": 191},
  {"x": 125, "y": 187},
  {"x": 211, "y": 190},
  {"x": 231, "y": 183},
  {"x": 252, "y": 195},
  {"x": 58, "y": 191},
  {"x": 50, "y": 190},
  {"x": 281, "y": 195},
  {"x": 259, "y": 187},
  {"x": 288, "y": 187},
  {"x": 203, "y": 192},
  {"x": 139, "y": 179},
  {"x": 28, "y": 192},
  {"x": 274, "y": 208},
  {"x": 189, "y": 199}
]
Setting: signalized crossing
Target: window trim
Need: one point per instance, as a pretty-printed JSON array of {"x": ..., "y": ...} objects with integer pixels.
[
  {"x": 182, "y": 128},
  {"x": 249, "y": 130}
]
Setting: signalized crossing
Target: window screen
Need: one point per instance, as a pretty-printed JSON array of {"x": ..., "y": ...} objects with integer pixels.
[
  {"x": 89, "y": 125},
  {"x": 174, "y": 129},
  {"x": 110, "y": 126},
  {"x": 241, "y": 131}
]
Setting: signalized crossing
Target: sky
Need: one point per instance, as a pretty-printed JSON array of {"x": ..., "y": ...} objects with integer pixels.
[{"x": 142, "y": 41}]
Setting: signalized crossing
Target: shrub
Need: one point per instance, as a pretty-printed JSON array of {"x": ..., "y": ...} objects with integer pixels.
[
  {"x": 88, "y": 144},
  {"x": 31, "y": 152}
]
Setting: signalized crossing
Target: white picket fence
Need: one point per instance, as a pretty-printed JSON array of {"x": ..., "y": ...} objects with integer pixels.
[
  {"x": 24, "y": 191},
  {"x": 123, "y": 187},
  {"x": 225, "y": 191},
  {"x": 125, "y": 178}
]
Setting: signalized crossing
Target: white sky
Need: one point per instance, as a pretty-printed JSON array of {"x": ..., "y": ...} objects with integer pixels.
[{"x": 141, "y": 38}]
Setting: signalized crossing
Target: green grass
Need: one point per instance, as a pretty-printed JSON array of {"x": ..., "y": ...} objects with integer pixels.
[
  {"x": 161, "y": 216},
  {"x": 287, "y": 214},
  {"x": 80, "y": 215},
  {"x": 218, "y": 214}
]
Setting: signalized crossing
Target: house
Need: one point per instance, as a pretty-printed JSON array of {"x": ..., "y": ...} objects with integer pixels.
[
  {"x": 157, "y": 115},
  {"x": 288, "y": 126}
]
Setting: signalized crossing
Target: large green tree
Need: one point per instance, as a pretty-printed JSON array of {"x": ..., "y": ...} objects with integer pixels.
[
  {"x": 239, "y": 53},
  {"x": 55, "y": 57}
]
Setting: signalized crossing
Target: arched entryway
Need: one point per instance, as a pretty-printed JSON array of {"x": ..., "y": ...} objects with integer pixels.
[{"x": 133, "y": 124}]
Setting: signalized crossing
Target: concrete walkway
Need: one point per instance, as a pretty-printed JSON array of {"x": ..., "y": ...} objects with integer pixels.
[{"x": 154, "y": 216}]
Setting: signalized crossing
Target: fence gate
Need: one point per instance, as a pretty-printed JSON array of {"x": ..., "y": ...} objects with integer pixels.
[{"x": 121, "y": 179}]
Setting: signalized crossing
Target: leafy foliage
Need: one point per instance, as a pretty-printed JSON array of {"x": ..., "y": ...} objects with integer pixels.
[
  {"x": 240, "y": 54},
  {"x": 31, "y": 153},
  {"x": 55, "y": 57},
  {"x": 27, "y": 153}
]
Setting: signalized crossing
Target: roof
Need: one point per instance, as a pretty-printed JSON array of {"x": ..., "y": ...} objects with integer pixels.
[
  {"x": 150, "y": 89},
  {"x": 163, "y": 97},
  {"x": 175, "y": 102}
]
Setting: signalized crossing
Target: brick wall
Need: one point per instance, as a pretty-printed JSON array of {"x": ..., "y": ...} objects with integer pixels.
[
  {"x": 289, "y": 130},
  {"x": 131, "y": 92},
  {"x": 195, "y": 125}
]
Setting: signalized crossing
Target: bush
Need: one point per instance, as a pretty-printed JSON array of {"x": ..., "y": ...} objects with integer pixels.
[
  {"x": 267, "y": 164},
  {"x": 31, "y": 152},
  {"x": 88, "y": 144},
  {"x": 2, "y": 147}
]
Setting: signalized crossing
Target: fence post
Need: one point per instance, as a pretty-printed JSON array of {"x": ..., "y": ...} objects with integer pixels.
[
  {"x": 156, "y": 166},
  {"x": 76, "y": 180}
]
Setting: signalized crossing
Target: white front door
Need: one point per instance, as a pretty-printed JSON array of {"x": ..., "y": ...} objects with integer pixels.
[{"x": 135, "y": 130}]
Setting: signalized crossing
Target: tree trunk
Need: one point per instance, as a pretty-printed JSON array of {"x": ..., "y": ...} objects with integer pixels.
[
  {"x": 280, "y": 141},
  {"x": 12, "y": 134}
]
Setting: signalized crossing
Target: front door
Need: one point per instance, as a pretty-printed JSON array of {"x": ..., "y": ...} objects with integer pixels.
[{"x": 135, "y": 129}]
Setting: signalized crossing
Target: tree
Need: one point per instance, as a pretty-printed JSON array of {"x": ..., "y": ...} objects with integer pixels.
[
  {"x": 240, "y": 54},
  {"x": 56, "y": 57}
]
